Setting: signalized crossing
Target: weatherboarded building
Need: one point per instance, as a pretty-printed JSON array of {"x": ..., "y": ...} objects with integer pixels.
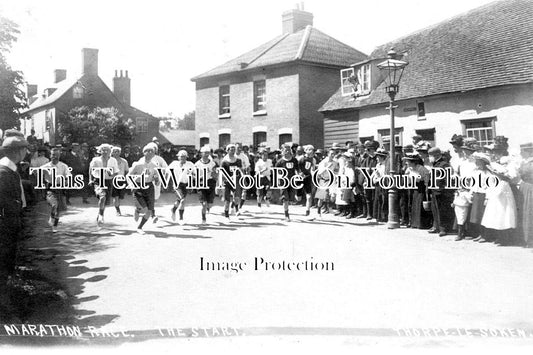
[
  {"x": 86, "y": 90},
  {"x": 471, "y": 74},
  {"x": 272, "y": 93}
]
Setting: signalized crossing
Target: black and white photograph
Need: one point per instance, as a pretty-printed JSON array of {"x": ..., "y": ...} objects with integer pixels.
[{"x": 248, "y": 177}]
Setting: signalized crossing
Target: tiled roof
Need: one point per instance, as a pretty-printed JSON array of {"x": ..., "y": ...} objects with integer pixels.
[
  {"x": 485, "y": 47},
  {"x": 61, "y": 88},
  {"x": 308, "y": 45}
]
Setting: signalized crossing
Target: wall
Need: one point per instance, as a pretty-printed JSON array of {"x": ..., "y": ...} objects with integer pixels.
[
  {"x": 340, "y": 126},
  {"x": 282, "y": 92},
  {"x": 317, "y": 84},
  {"x": 512, "y": 106}
]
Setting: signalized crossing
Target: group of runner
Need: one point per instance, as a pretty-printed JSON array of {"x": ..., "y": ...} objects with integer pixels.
[{"x": 155, "y": 173}]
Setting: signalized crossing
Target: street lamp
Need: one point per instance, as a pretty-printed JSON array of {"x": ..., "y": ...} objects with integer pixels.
[{"x": 393, "y": 69}]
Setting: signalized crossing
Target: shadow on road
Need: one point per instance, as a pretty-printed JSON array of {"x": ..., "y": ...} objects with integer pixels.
[{"x": 49, "y": 279}]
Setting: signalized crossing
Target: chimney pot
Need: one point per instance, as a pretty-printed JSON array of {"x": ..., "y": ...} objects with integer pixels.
[
  {"x": 122, "y": 87},
  {"x": 295, "y": 20}
]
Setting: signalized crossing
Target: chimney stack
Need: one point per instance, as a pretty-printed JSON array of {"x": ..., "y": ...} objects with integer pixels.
[
  {"x": 31, "y": 90},
  {"x": 122, "y": 87},
  {"x": 295, "y": 20},
  {"x": 89, "y": 61},
  {"x": 59, "y": 75}
]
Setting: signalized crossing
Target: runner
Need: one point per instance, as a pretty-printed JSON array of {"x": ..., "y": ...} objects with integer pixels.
[
  {"x": 103, "y": 189},
  {"x": 230, "y": 164},
  {"x": 307, "y": 166},
  {"x": 240, "y": 154},
  {"x": 262, "y": 168},
  {"x": 123, "y": 168},
  {"x": 159, "y": 162},
  {"x": 182, "y": 168},
  {"x": 54, "y": 195},
  {"x": 206, "y": 169},
  {"x": 322, "y": 193},
  {"x": 290, "y": 164},
  {"x": 144, "y": 197}
]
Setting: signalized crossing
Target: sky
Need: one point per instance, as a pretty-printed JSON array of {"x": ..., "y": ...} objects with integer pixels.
[{"x": 163, "y": 43}]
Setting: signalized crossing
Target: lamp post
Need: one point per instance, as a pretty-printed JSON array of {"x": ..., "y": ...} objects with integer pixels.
[{"x": 393, "y": 69}]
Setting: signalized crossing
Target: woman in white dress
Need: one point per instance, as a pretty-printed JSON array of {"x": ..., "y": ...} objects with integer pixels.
[{"x": 499, "y": 217}]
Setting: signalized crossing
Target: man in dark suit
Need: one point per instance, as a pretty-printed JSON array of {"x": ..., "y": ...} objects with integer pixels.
[
  {"x": 12, "y": 201},
  {"x": 370, "y": 162},
  {"x": 441, "y": 197}
]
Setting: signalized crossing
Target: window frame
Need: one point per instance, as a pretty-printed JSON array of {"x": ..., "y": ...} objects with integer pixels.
[
  {"x": 78, "y": 92},
  {"x": 139, "y": 126},
  {"x": 284, "y": 135},
  {"x": 260, "y": 101},
  {"x": 202, "y": 139},
  {"x": 491, "y": 125},
  {"x": 364, "y": 78},
  {"x": 255, "y": 138},
  {"x": 224, "y": 109},
  {"x": 398, "y": 132},
  {"x": 420, "y": 112},
  {"x": 345, "y": 84},
  {"x": 220, "y": 139},
  {"x": 422, "y": 131}
]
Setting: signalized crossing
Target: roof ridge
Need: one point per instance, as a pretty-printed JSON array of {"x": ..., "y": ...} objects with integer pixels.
[
  {"x": 282, "y": 37},
  {"x": 303, "y": 43}
]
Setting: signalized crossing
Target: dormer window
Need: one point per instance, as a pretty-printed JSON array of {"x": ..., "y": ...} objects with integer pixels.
[
  {"x": 364, "y": 79},
  {"x": 353, "y": 84},
  {"x": 347, "y": 84}
]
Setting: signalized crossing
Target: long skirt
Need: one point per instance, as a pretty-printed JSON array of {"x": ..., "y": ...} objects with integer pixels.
[
  {"x": 420, "y": 218},
  {"x": 478, "y": 207},
  {"x": 500, "y": 210},
  {"x": 526, "y": 199}
]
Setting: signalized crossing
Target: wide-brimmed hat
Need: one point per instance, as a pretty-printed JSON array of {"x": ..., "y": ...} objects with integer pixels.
[
  {"x": 414, "y": 158},
  {"x": 103, "y": 146},
  {"x": 372, "y": 145},
  {"x": 335, "y": 146},
  {"x": 14, "y": 139},
  {"x": 482, "y": 157},
  {"x": 424, "y": 147},
  {"x": 471, "y": 144},
  {"x": 500, "y": 143},
  {"x": 382, "y": 152},
  {"x": 434, "y": 151},
  {"x": 457, "y": 140},
  {"x": 231, "y": 145},
  {"x": 182, "y": 153},
  {"x": 149, "y": 146}
]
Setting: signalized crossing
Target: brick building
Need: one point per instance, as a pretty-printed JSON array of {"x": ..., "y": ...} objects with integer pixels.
[
  {"x": 87, "y": 90},
  {"x": 272, "y": 93},
  {"x": 471, "y": 75}
]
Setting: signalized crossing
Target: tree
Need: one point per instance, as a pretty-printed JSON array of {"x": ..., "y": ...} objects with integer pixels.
[
  {"x": 95, "y": 126},
  {"x": 187, "y": 122},
  {"x": 12, "y": 98}
]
